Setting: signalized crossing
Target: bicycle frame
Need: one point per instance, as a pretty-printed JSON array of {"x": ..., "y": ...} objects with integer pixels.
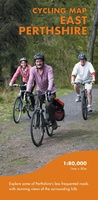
[
  {"x": 40, "y": 102},
  {"x": 84, "y": 91}
]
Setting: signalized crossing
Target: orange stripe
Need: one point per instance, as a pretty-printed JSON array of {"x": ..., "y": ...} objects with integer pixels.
[
  {"x": 93, "y": 74},
  {"x": 73, "y": 75}
]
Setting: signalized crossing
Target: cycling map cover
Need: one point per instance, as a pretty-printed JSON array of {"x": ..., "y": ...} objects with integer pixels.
[{"x": 48, "y": 138}]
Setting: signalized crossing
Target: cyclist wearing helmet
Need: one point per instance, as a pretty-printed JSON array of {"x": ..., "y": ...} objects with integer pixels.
[
  {"x": 23, "y": 70},
  {"x": 44, "y": 78},
  {"x": 83, "y": 71}
]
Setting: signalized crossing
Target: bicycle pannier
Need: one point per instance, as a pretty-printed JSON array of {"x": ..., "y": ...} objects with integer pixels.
[{"x": 59, "y": 109}]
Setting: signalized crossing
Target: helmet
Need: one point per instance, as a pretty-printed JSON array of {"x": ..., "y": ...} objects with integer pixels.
[
  {"x": 39, "y": 56},
  {"x": 23, "y": 59},
  {"x": 82, "y": 57}
]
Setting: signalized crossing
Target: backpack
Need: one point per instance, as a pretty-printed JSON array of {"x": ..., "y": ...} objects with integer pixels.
[{"x": 59, "y": 109}]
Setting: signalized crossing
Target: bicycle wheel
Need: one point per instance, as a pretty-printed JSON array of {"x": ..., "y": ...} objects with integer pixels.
[
  {"x": 49, "y": 129},
  {"x": 84, "y": 108},
  {"x": 17, "y": 109},
  {"x": 37, "y": 128}
]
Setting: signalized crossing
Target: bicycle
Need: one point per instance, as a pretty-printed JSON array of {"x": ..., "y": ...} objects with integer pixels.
[
  {"x": 84, "y": 100},
  {"x": 39, "y": 122},
  {"x": 21, "y": 104}
]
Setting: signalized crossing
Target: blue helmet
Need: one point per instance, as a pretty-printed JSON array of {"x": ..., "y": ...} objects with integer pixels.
[{"x": 82, "y": 57}]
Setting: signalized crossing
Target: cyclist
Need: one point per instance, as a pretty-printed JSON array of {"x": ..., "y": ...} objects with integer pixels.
[
  {"x": 24, "y": 71},
  {"x": 83, "y": 71},
  {"x": 44, "y": 78}
]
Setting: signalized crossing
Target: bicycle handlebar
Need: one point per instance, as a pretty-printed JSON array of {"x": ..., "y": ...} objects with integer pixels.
[
  {"x": 18, "y": 85},
  {"x": 83, "y": 82},
  {"x": 41, "y": 94}
]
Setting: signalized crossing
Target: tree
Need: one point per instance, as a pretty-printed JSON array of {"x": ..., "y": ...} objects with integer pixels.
[
  {"x": 93, "y": 34},
  {"x": 14, "y": 13}
]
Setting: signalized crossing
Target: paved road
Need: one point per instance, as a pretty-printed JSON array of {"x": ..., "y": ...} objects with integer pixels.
[{"x": 73, "y": 109}]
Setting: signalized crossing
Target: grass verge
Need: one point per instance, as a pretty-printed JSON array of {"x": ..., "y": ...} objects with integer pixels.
[{"x": 7, "y": 98}]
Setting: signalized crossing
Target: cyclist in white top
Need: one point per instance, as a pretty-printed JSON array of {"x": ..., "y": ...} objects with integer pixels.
[{"x": 83, "y": 71}]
